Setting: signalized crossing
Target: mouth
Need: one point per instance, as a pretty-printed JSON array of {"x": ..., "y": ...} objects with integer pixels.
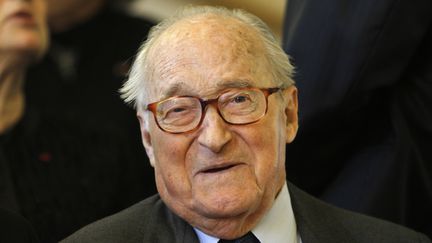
[
  {"x": 218, "y": 168},
  {"x": 24, "y": 17}
]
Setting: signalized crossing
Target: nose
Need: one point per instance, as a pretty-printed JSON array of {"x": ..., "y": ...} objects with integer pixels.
[{"x": 214, "y": 134}]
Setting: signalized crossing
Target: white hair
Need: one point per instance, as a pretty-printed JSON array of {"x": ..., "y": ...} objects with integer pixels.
[{"x": 134, "y": 89}]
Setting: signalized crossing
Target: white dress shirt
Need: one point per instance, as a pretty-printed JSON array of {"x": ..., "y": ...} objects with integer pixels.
[{"x": 277, "y": 226}]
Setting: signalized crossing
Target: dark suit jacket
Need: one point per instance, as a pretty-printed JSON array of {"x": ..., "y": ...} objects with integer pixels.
[
  {"x": 151, "y": 221},
  {"x": 15, "y": 229},
  {"x": 364, "y": 74}
]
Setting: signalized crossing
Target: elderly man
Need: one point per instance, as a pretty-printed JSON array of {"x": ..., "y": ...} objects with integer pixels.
[{"x": 216, "y": 105}]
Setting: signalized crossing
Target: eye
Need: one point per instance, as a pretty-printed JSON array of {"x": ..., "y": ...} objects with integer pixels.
[
  {"x": 236, "y": 99},
  {"x": 178, "y": 109},
  {"x": 240, "y": 99}
]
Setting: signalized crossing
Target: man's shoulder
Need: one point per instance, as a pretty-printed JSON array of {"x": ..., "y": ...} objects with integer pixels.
[
  {"x": 318, "y": 221},
  {"x": 147, "y": 221},
  {"x": 128, "y": 225}
]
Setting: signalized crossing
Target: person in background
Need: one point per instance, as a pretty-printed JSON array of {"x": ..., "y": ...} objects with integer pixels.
[
  {"x": 92, "y": 45},
  {"x": 58, "y": 174},
  {"x": 217, "y": 104},
  {"x": 23, "y": 39},
  {"x": 365, "y": 72}
]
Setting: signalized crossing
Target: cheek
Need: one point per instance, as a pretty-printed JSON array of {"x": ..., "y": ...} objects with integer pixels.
[
  {"x": 41, "y": 7},
  {"x": 170, "y": 168},
  {"x": 266, "y": 152},
  {"x": 268, "y": 146},
  {"x": 41, "y": 18}
]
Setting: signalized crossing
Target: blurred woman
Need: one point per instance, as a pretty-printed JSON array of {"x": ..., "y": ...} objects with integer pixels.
[
  {"x": 56, "y": 173},
  {"x": 23, "y": 38}
]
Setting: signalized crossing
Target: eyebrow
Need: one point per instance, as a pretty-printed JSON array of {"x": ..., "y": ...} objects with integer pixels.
[
  {"x": 184, "y": 89},
  {"x": 177, "y": 88},
  {"x": 234, "y": 84}
]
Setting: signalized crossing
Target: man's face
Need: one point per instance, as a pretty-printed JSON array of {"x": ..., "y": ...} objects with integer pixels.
[
  {"x": 221, "y": 178},
  {"x": 23, "y": 29}
]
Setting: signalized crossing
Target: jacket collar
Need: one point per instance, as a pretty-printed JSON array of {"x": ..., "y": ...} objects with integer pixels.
[{"x": 317, "y": 221}]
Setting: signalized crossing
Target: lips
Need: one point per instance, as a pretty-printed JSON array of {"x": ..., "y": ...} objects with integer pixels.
[
  {"x": 218, "y": 168},
  {"x": 23, "y": 16}
]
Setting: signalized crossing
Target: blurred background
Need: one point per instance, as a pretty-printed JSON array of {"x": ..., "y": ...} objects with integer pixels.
[{"x": 272, "y": 13}]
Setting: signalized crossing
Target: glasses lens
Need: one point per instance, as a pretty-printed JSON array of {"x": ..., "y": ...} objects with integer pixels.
[
  {"x": 242, "y": 106},
  {"x": 179, "y": 114}
]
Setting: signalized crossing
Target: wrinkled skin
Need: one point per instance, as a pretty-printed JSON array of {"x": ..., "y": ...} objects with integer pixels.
[{"x": 220, "y": 178}]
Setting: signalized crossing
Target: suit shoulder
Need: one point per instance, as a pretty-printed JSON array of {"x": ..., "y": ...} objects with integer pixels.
[
  {"x": 372, "y": 229},
  {"x": 322, "y": 221},
  {"x": 125, "y": 226}
]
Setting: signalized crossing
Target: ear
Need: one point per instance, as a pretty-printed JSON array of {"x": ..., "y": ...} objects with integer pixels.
[
  {"x": 145, "y": 136},
  {"x": 291, "y": 109}
]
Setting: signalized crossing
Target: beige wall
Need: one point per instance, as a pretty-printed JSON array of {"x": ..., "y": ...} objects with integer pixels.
[{"x": 271, "y": 11}]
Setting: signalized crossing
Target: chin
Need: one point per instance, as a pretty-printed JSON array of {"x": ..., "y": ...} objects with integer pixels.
[
  {"x": 228, "y": 205},
  {"x": 33, "y": 43},
  {"x": 31, "y": 51}
]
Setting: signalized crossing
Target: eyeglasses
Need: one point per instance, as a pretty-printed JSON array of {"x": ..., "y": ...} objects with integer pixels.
[{"x": 180, "y": 114}]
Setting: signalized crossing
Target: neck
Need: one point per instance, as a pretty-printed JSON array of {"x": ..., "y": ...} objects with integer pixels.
[
  {"x": 237, "y": 226},
  {"x": 11, "y": 95}
]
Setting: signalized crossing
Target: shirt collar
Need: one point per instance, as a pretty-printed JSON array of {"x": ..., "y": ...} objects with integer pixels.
[{"x": 278, "y": 225}]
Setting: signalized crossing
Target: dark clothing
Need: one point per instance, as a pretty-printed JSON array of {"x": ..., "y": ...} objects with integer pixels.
[
  {"x": 317, "y": 222},
  {"x": 64, "y": 177},
  {"x": 364, "y": 74},
  {"x": 79, "y": 78},
  {"x": 8, "y": 200},
  {"x": 15, "y": 229},
  {"x": 89, "y": 160}
]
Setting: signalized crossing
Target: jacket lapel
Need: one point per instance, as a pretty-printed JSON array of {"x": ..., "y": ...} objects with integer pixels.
[
  {"x": 316, "y": 220},
  {"x": 159, "y": 224}
]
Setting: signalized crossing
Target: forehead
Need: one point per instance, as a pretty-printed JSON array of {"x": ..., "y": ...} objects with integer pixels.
[{"x": 205, "y": 54}]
